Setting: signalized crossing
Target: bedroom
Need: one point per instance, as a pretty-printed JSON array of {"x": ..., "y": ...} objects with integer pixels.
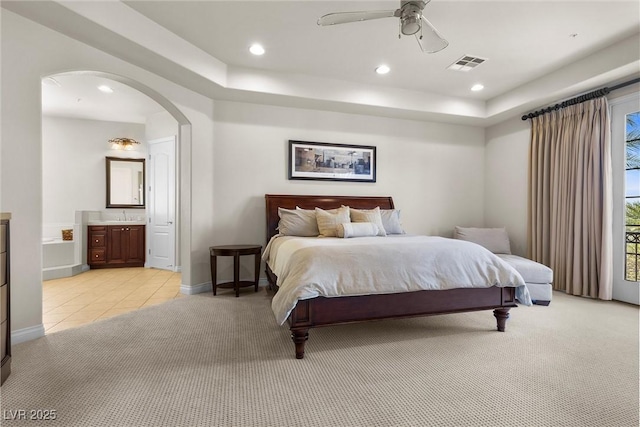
[{"x": 439, "y": 165}]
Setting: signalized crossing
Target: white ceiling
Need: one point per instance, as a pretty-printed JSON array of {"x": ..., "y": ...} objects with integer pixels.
[
  {"x": 522, "y": 40},
  {"x": 532, "y": 59},
  {"x": 77, "y": 96}
]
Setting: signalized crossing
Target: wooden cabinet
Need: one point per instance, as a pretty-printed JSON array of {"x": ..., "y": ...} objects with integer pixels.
[
  {"x": 5, "y": 303},
  {"x": 116, "y": 246}
]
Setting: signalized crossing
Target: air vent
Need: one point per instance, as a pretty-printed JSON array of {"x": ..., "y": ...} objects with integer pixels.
[{"x": 466, "y": 63}]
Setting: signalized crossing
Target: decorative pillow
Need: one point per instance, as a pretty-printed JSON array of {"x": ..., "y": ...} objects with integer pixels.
[
  {"x": 494, "y": 239},
  {"x": 368, "y": 215},
  {"x": 300, "y": 223},
  {"x": 328, "y": 221},
  {"x": 391, "y": 221},
  {"x": 356, "y": 229}
]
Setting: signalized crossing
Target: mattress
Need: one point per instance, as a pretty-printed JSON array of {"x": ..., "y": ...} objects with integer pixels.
[{"x": 309, "y": 267}]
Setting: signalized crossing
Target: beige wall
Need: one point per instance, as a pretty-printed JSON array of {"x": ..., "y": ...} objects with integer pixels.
[
  {"x": 434, "y": 171},
  {"x": 506, "y": 163},
  {"x": 160, "y": 125},
  {"x": 73, "y": 164}
]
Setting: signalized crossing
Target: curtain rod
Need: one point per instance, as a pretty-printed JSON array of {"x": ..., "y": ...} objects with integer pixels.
[{"x": 577, "y": 100}]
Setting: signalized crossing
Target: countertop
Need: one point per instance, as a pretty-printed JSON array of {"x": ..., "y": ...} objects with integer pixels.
[{"x": 136, "y": 222}]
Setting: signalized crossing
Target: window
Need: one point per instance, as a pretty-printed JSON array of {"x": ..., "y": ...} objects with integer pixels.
[{"x": 632, "y": 197}]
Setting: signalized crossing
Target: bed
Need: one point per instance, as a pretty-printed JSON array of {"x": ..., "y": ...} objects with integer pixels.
[{"x": 325, "y": 311}]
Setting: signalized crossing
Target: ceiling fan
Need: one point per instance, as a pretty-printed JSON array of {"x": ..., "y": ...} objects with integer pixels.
[{"x": 412, "y": 21}]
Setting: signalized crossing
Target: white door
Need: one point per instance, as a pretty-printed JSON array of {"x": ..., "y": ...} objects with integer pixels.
[
  {"x": 625, "y": 157},
  {"x": 161, "y": 194}
]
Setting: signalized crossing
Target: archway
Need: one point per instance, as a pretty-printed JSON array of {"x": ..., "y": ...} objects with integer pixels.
[{"x": 184, "y": 154}]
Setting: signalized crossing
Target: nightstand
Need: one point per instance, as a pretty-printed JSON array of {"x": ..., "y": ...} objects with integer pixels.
[{"x": 236, "y": 251}]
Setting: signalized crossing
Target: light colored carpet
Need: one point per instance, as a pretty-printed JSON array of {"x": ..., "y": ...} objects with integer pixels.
[{"x": 222, "y": 361}]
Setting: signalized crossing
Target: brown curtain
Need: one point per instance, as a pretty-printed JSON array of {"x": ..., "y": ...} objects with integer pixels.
[{"x": 570, "y": 205}]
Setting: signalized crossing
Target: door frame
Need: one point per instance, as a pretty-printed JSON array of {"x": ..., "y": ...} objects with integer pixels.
[{"x": 623, "y": 290}]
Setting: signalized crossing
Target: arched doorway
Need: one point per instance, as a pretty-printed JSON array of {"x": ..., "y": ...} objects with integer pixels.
[{"x": 183, "y": 139}]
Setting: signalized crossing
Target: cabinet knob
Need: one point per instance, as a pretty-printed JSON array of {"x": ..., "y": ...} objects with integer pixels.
[
  {"x": 127, "y": 229},
  {"x": 97, "y": 240},
  {"x": 96, "y": 256},
  {"x": 122, "y": 229}
]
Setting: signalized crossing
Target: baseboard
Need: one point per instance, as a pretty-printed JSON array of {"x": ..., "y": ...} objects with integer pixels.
[
  {"x": 195, "y": 289},
  {"x": 177, "y": 269},
  {"x": 27, "y": 334},
  {"x": 206, "y": 287}
]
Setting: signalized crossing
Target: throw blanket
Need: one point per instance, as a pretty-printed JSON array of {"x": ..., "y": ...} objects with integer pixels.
[{"x": 309, "y": 267}]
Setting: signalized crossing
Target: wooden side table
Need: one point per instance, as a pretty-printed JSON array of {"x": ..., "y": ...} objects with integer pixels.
[{"x": 236, "y": 251}]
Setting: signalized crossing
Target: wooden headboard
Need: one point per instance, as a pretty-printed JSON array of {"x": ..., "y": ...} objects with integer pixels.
[{"x": 287, "y": 201}]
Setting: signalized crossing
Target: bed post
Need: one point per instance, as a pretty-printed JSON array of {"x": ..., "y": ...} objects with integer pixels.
[
  {"x": 300, "y": 337},
  {"x": 501, "y": 314}
]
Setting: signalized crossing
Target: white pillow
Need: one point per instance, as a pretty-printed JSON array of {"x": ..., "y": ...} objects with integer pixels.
[
  {"x": 494, "y": 239},
  {"x": 368, "y": 215},
  {"x": 300, "y": 223},
  {"x": 356, "y": 229},
  {"x": 391, "y": 221},
  {"x": 328, "y": 221}
]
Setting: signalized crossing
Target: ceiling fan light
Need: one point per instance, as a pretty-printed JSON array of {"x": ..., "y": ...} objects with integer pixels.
[{"x": 410, "y": 25}]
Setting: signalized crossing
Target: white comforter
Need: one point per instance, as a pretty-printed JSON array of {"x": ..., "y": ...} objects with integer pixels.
[{"x": 308, "y": 267}]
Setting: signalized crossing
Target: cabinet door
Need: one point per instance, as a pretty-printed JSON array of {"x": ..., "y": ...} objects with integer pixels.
[
  {"x": 117, "y": 242},
  {"x": 136, "y": 248}
]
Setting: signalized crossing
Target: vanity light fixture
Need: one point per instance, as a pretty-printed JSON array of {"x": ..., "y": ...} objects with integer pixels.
[
  {"x": 123, "y": 143},
  {"x": 256, "y": 49},
  {"x": 382, "y": 69},
  {"x": 105, "y": 89},
  {"x": 477, "y": 87}
]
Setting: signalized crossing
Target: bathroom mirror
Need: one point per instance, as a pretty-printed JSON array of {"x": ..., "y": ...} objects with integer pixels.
[{"x": 125, "y": 183}]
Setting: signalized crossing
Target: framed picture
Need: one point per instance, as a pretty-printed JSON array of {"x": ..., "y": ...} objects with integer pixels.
[{"x": 335, "y": 162}]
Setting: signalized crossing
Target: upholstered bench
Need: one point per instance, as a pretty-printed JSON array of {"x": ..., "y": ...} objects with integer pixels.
[{"x": 538, "y": 277}]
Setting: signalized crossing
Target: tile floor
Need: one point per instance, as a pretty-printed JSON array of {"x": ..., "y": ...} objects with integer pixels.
[{"x": 99, "y": 294}]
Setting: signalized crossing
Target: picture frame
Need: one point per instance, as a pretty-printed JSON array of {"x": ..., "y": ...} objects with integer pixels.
[{"x": 332, "y": 162}]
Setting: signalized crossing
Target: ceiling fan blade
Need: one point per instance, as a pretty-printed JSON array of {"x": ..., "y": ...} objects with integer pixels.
[
  {"x": 431, "y": 41},
  {"x": 346, "y": 17}
]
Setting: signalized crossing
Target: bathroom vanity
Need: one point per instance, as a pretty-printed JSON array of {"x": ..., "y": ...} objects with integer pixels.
[{"x": 116, "y": 244}]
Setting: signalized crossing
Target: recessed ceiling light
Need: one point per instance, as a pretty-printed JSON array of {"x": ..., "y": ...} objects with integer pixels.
[
  {"x": 476, "y": 87},
  {"x": 105, "y": 89},
  {"x": 256, "y": 49},
  {"x": 382, "y": 69}
]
